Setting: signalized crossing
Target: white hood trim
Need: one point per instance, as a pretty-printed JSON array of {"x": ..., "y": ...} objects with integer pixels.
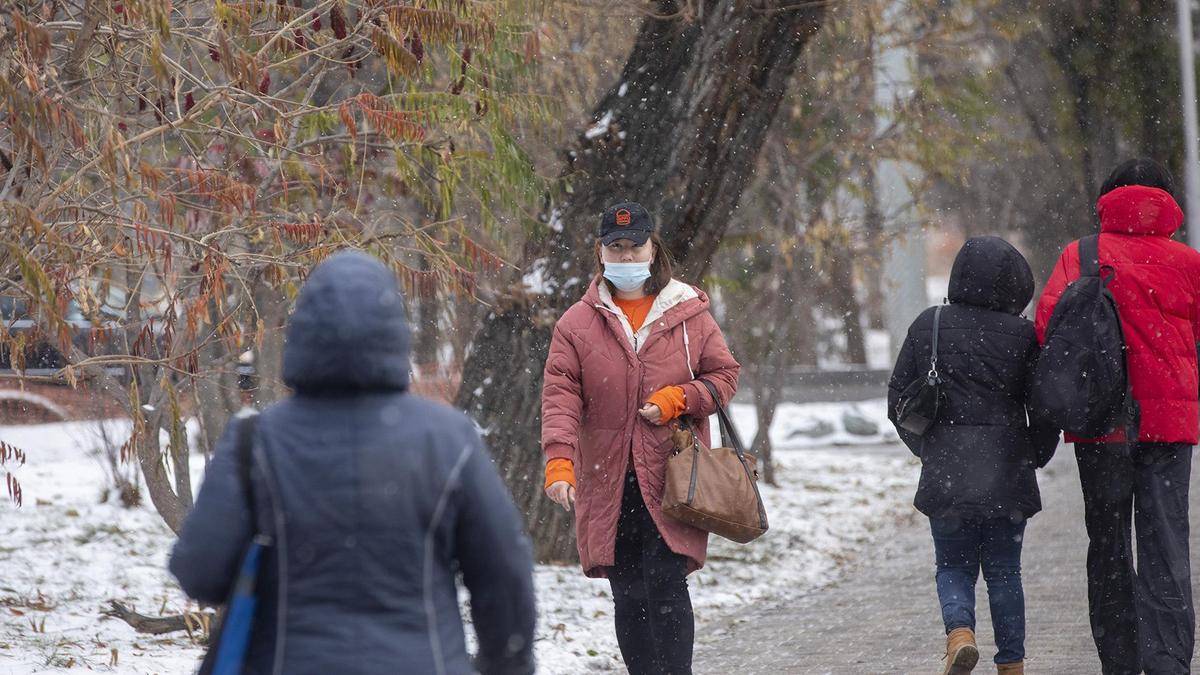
[{"x": 676, "y": 292}]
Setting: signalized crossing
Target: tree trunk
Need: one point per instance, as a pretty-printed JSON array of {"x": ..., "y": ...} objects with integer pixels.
[
  {"x": 789, "y": 343},
  {"x": 679, "y": 133},
  {"x": 768, "y": 390},
  {"x": 167, "y": 483},
  {"x": 1120, "y": 69},
  {"x": 272, "y": 306},
  {"x": 873, "y": 272},
  {"x": 501, "y": 388},
  {"x": 845, "y": 305},
  {"x": 872, "y": 213},
  {"x": 427, "y": 338},
  {"x": 1156, "y": 85},
  {"x": 216, "y": 395},
  {"x": 761, "y": 446}
]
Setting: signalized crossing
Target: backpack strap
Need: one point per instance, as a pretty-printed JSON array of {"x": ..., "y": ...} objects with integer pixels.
[
  {"x": 1089, "y": 256},
  {"x": 1089, "y": 266},
  {"x": 245, "y": 451}
]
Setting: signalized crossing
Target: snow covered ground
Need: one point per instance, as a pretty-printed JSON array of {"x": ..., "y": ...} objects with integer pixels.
[
  {"x": 65, "y": 554},
  {"x": 829, "y": 506}
]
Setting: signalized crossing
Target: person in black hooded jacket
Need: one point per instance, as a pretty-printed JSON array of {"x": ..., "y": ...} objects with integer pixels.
[{"x": 978, "y": 461}]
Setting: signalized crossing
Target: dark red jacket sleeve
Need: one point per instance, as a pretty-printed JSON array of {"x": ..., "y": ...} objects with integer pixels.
[{"x": 562, "y": 398}]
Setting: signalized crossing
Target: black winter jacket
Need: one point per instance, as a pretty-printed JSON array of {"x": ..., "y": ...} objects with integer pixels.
[
  {"x": 979, "y": 458},
  {"x": 377, "y": 499}
]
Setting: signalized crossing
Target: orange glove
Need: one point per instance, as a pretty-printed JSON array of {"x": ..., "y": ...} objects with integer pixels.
[
  {"x": 560, "y": 468},
  {"x": 670, "y": 400}
]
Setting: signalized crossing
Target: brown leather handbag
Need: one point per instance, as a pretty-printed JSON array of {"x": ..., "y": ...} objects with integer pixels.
[{"x": 714, "y": 489}]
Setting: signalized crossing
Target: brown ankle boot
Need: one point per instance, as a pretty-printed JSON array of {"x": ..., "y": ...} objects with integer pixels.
[
  {"x": 1017, "y": 668},
  {"x": 961, "y": 652}
]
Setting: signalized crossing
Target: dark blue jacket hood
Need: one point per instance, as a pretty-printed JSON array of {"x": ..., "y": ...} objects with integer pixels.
[{"x": 349, "y": 331}]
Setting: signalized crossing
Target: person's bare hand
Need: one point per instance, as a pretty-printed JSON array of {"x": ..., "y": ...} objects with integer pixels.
[
  {"x": 651, "y": 413},
  {"x": 561, "y": 492}
]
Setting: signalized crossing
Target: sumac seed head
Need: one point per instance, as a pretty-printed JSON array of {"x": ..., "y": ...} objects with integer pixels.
[{"x": 337, "y": 22}]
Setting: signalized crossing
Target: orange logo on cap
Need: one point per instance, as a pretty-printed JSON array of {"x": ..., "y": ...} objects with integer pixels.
[{"x": 624, "y": 218}]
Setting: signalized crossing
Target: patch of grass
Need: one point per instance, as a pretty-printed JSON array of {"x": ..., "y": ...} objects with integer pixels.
[
  {"x": 56, "y": 653},
  {"x": 17, "y": 601},
  {"x": 93, "y": 532}
]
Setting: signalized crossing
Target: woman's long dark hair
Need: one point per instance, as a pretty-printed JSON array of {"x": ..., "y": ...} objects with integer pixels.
[{"x": 661, "y": 268}]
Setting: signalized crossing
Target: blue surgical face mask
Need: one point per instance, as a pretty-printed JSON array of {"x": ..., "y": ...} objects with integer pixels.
[{"x": 627, "y": 276}]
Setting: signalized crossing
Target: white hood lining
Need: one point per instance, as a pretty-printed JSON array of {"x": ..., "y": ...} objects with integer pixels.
[{"x": 674, "y": 293}]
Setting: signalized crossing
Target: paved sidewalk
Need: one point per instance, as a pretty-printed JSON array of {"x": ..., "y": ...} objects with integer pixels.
[{"x": 883, "y": 617}]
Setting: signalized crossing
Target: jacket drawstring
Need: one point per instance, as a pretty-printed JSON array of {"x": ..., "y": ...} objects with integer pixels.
[{"x": 687, "y": 351}]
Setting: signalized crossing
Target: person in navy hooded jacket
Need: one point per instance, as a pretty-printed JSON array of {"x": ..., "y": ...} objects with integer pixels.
[{"x": 376, "y": 499}]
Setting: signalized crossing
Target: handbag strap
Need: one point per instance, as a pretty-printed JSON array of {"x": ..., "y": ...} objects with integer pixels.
[
  {"x": 735, "y": 442},
  {"x": 245, "y": 457},
  {"x": 933, "y": 352},
  {"x": 728, "y": 432}
]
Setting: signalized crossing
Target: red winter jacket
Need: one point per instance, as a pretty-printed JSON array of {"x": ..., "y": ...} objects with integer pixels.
[
  {"x": 1157, "y": 289},
  {"x": 599, "y": 372}
]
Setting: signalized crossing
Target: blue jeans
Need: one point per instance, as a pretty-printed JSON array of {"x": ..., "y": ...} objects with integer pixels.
[{"x": 962, "y": 547}]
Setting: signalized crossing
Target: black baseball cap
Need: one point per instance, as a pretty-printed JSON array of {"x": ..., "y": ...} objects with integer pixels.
[{"x": 627, "y": 220}]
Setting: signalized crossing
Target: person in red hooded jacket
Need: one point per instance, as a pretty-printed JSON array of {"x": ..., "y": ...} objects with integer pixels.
[{"x": 1142, "y": 620}]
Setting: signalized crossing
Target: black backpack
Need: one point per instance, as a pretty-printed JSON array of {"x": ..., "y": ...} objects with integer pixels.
[{"x": 1081, "y": 383}]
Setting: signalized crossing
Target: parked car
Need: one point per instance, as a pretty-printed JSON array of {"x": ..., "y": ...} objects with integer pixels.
[{"x": 41, "y": 354}]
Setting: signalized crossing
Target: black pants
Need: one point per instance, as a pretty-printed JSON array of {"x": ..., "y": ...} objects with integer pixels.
[
  {"x": 655, "y": 626},
  {"x": 1140, "y": 619}
]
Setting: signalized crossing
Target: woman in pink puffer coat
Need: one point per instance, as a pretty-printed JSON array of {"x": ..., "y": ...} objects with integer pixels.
[{"x": 623, "y": 362}]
